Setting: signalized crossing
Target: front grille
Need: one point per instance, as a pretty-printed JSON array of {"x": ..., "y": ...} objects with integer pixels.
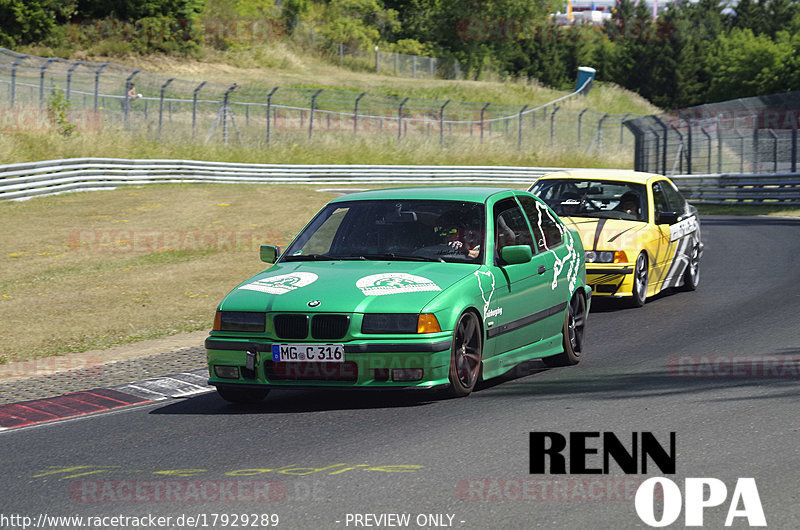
[
  {"x": 291, "y": 326},
  {"x": 329, "y": 327},
  {"x": 305, "y": 371}
]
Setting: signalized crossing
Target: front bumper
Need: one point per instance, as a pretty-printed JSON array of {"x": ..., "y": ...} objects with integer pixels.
[
  {"x": 610, "y": 279},
  {"x": 366, "y": 365}
]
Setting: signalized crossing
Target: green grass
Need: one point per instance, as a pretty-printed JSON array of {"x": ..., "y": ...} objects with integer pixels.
[{"x": 748, "y": 209}]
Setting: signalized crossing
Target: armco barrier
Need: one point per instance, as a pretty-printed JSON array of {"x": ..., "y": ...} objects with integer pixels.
[
  {"x": 21, "y": 181},
  {"x": 772, "y": 188},
  {"x": 25, "y": 180}
]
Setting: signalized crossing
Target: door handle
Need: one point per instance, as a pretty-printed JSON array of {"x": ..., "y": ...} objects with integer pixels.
[{"x": 542, "y": 269}]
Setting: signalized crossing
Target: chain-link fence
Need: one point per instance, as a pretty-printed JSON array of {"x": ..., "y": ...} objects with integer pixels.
[
  {"x": 750, "y": 135},
  {"x": 112, "y": 97}
]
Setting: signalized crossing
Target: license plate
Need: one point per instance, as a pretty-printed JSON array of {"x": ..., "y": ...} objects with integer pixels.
[{"x": 315, "y": 353}]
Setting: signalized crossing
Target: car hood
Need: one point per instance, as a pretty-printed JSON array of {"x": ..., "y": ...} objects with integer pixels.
[
  {"x": 346, "y": 286},
  {"x": 605, "y": 234}
]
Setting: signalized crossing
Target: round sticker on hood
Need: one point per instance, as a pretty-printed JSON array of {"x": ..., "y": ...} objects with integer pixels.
[
  {"x": 282, "y": 283},
  {"x": 395, "y": 283}
]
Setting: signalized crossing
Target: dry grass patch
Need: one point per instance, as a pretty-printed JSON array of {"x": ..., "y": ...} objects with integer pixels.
[{"x": 90, "y": 270}]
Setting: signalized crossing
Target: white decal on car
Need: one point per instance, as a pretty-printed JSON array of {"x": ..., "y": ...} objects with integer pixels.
[
  {"x": 682, "y": 228},
  {"x": 486, "y": 299},
  {"x": 281, "y": 284},
  {"x": 572, "y": 255},
  {"x": 395, "y": 283}
]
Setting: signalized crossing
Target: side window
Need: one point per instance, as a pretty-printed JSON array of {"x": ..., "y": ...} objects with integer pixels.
[
  {"x": 545, "y": 227},
  {"x": 676, "y": 201},
  {"x": 545, "y": 230},
  {"x": 510, "y": 226},
  {"x": 659, "y": 199}
]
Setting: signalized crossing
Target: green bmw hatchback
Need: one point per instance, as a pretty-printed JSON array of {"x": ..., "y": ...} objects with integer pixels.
[{"x": 423, "y": 288}]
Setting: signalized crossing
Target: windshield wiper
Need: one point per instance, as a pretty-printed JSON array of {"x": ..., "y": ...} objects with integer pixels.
[
  {"x": 309, "y": 257},
  {"x": 400, "y": 257}
]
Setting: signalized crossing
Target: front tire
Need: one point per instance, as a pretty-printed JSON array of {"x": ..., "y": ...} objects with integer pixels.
[
  {"x": 639, "y": 291},
  {"x": 465, "y": 356},
  {"x": 574, "y": 324},
  {"x": 242, "y": 396}
]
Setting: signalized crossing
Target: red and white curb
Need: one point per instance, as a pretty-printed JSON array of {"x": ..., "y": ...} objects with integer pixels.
[{"x": 27, "y": 413}]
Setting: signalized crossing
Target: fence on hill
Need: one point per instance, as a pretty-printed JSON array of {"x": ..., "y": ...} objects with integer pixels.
[{"x": 174, "y": 109}]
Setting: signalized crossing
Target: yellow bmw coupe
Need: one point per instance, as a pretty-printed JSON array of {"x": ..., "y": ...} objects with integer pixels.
[{"x": 640, "y": 234}]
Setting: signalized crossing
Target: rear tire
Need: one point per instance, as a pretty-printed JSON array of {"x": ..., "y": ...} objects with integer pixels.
[
  {"x": 574, "y": 324},
  {"x": 242, "y": 396},
  {"x": 691, "y": 276},
  {"x": 465, "y": 356}
]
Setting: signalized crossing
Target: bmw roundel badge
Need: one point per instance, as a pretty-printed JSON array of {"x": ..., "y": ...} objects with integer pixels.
[{"x": 314, "y": 303}]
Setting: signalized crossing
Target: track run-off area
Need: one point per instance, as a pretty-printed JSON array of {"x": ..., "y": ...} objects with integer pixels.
[{"x": 719, "y": 367}]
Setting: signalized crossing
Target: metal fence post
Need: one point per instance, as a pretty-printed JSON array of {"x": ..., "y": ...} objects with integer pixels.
[
  {"x": 69, "y": 78},
  {"x": 622, "y": 126},
  {"x": 552, "y": 125},
  {"x": 756, "y": 154},
  {"x": 708, "y": 138},
  {"x": 719, "y": 147},
  {"x": 311, "y": 115},
  {"x": 41, "y": 80},
  {"x": 519, "y": 128},
  {"x": 341, "y": 53},
  {"x": 688, "y": 144},
  {"x": 774, "y": 150},
  {"x": 269, "y": 114},
  {"x": 741, "y": 150},
  {"x": 400, "y": 119},
  {"x": 483, "y": 111},
  {"x": 794, "y": 146},
  {"x": 376, "y": 59},
  {"x": 97, "y": 82},
  {"x": 14, "y": 66},
  {"x": 355, "y": 112},
  {"x": 664, "y": 148},
  {"x": 127, "y": 100},
  {"x": 441, "y": 123},
  {"x": 194, "y": 105},
  {"x": 161, "y": 104},
  {"x": 580, "y": 118}
]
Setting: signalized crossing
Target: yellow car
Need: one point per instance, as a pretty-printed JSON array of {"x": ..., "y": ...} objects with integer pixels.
[{"x": 640, "y": 234}]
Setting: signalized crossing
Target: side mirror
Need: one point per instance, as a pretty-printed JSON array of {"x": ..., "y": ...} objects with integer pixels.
[
  {"x": 270, "y": 253},
  {"x": 667, "y": 218},
  {"x": 514, "y": 254}
]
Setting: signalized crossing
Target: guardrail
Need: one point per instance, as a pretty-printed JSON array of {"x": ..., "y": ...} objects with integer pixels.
[
  {"x": 772, "y": 188},
  {"x": 49, "y": 177},
  {"x": 22, "y": 181}
]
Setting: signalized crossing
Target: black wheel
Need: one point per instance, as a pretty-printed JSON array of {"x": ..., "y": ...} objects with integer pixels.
[
  {"x": 465, "y": 357},
  {"x": 242, "y": 396},
  {"x": 691, "y": 277},
  {"x": 639, "y": 293},
  {"x": 574, "y": 324}
]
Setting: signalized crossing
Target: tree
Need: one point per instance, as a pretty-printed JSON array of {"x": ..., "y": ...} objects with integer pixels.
[{"x": 27, "y": 21}]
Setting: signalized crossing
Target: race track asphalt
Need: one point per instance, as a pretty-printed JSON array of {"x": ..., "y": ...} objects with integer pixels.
[{"x": 320, "y": 459}]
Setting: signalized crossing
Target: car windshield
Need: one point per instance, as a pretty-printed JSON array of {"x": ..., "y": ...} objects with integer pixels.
[
  {"x": 608, "y": 199},
  {"x": 409, "y": 230}
]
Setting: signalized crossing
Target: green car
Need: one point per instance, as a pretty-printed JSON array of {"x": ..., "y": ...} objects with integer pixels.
[{"x": 421, "y": 288}]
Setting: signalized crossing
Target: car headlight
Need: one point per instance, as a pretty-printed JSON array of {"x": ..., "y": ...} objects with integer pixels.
[
  {"x": 240, "y": 321},
  {"x": 400, "y": 323},
  {"x": 606, "y": 256}
]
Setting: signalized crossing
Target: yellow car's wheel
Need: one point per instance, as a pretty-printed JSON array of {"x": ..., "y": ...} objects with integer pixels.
[
  {"x": 639, "y": 292},
  {"x": 691, "y": 277}
]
